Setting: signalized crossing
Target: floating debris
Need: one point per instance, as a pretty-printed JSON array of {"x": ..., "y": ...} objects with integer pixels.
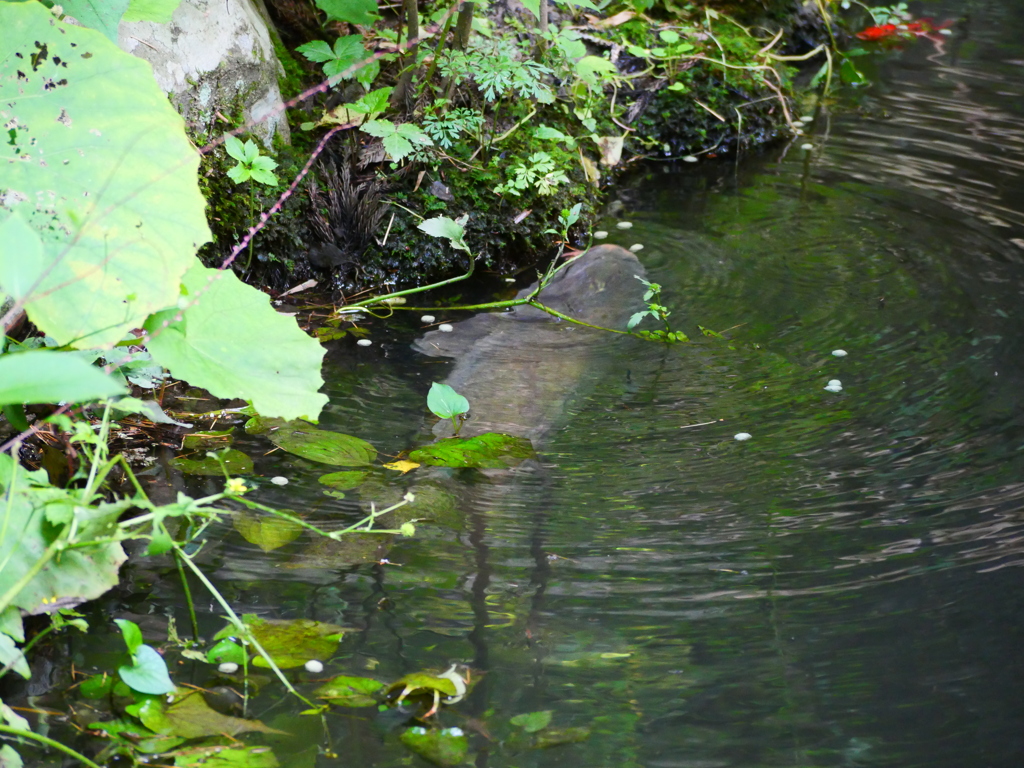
[
  {"x": 689, "y": 159},
  {"x": 314, "y": 666},
  {"x": 624, "y": 225},
  {"x": 445, "y": 328},
  {"x": 600, "y": 234},
  {"x": 279, "y": 480},
  {"x": 636, "y": 247},
  {"x": 839, "y": 353},
  {"x": 227, "y": 668},
  {"x": 741, "y": 436},
  {"x": 427, "y": 319},
  {"x": 834, "y": 385},
  {"x": 364, "y": 342}
]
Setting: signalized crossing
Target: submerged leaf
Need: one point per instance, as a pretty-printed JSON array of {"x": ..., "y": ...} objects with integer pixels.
[
  {"x": 290, "y": 642},
  {"x": 531, "y": 722},
  {"x": 305, "y": 440},
  {"x": 445, "y": 746},
  {"x": 489, "y": 450},
  {"x": 268, "y": 532},
  {"x": 235, "y": 463},
  {"x": 350, "y": 691},
  {"x": 191, "y": 717}
]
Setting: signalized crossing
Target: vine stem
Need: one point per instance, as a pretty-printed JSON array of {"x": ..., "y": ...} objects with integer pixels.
[{"x": 50, "y": 743}]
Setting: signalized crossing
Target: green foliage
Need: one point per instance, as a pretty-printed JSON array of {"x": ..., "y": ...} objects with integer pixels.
[
  {"x": 251, "y": 164},
  {"x": 303, "y": 439},
  {"x": 111, "y": 190},
  {"x": 147, "y": 672},
  {"x": 538, "y": 172},
  {"x": 340, "y": 61},
  {"x": 897, "y": 13},
  {"x": 350, "y": 691},
  {"x": 531, "y": 722},
  {"x": 658, "y": 311},
  {"x": 399, "y": 140},
  {"x": 498, "y": 73},
  {"x": 452, "y": 231},
  {"x": 446, "y": 129}
]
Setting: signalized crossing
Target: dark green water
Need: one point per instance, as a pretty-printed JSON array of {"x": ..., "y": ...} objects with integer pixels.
[{"x": 843, "y": 589}]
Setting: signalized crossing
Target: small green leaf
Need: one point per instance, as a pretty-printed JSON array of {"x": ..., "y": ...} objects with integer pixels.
[
  {"x": 234, "y": 147},
  {"x": 305, "y": 440},
  {"x": 442, "y": 226},
  {"x": 669, "y": 36},
  {"x": 149, "y": 672},
  {"x": 268, "y": 532},
  {"x": 531, "y": 722},
  {"x": 226, "y": 650},
  {"x": 443, "y": 401},
  {"x": 343, "y": 481},
  {"x": 131, "y": 633},
  {"x": 235, "y": 463}
]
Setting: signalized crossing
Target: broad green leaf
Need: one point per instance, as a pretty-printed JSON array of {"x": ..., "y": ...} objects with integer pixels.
[
  {"x": 159, "y": 11},
  {"x": 531, "y": 722},
  {"x": 132, "y": 635},
  {"x": 235, "y": 463},
  {"x": 134, "y": 736},
  {"x": 350, "y": 691},
  {"x": 444, "y": 402},
  {"x": 149, "y": 408},
  {"x": 43, "y": 376},
  {"x": 442, "y": 226},
  {"x": 149, "y": 672},
  {"x": 190, "y": 717},
  {"x": 11, "y": 655},
  {"x": 123, "y": 214},
  {"x": 554, "y": 737},
  {"x": 347, "y": 52},
  {"x": 290, "y": 643},
  {"x": 305, "y": 440},
  {"x": 101, "y": 15},
  {"x": 378, "y": 128},
  {"x": 82, "y": 573},
  {"x": 363, "y": 12},
  {"x": 231, "y": 342},
  {"x": 397, "y": 146},
  {"x": 267, "y": 532},
  {"x": 440, "y": 746},
  {"x": 491, "y": 449},
  {"x": 669, "y": 36}
]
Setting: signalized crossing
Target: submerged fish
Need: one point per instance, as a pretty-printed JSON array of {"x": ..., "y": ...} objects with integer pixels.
[{"x": 520, "y": 369}]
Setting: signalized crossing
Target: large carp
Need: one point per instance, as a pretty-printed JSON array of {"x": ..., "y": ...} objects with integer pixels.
[{"x": 520, "y": 369}]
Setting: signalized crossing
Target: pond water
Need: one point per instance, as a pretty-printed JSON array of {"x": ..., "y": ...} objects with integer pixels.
[{"x": 844, "y": 588}]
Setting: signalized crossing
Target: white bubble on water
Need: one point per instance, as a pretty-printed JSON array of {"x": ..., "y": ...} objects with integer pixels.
[
  {"x": 600, "y": 234},
  {"x": 625, "y": 225},
  {"x": 741, "y": 436},
  {"x": 364, "y": 342},
  {"x": 279, "y": 480},
  {"x": 636, "y": 247},
  {"x": 839, "y": 353},
  {"x": 227, "y": 668},
  {"x": 314, "y": 666},
  {"x": 427, "y": 319},
  {"x": 806, "y": 147},
  {"x": 445, "y": 328}
]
